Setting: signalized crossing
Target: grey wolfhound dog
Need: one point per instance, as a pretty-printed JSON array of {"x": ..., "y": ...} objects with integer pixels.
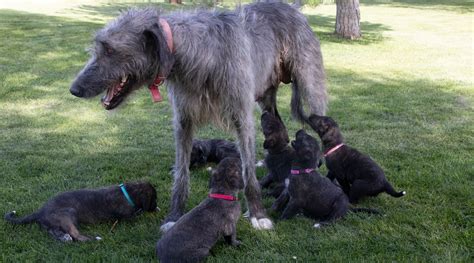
[{"x": 216, "y": 65}]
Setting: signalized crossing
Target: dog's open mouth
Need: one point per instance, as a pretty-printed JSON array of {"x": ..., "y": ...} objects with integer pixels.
[{"x": 116, "y": 93}]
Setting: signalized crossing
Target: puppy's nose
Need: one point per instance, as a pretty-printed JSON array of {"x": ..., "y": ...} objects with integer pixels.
[{"x": 76, "y": 91}]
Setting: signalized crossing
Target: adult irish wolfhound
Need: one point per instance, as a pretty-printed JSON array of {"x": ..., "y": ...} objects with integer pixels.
[{"x": 216, "y": 64}]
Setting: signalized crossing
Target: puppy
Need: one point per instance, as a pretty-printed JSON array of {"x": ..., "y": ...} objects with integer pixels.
[
  {"x": 195, "y": 233},
  {"x": 308, "y": 192},
  {"x": 214, "y": 151},
  {"x": 357, "y": 173},
  {"x": 62, "y": 214},
  {"x": 279, "y": 154}
]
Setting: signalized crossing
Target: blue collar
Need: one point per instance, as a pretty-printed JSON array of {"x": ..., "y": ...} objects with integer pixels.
[{"x": 125, "y": 193}]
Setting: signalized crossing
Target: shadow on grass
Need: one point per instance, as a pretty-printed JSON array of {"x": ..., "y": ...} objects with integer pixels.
[
  {"x": 323, "y": 26},
  {"x": 460, "y": 6}
]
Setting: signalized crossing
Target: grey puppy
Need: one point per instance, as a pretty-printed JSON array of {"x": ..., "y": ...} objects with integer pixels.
[
  {"x": 214, "y": 151},
  {"x": 196, "y": 232},
  {"x": 357, "y": 173},
  {"x": 63, "y": 213},
  {"x": 310, "y": 193},
  {"x": 216, "y": 65},
  {"x": 279, "y": 154}
]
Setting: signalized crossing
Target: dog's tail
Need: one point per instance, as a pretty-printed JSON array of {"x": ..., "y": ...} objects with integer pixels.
[
  {"x": 315, "y": 97},
  {"x": 365, "y": 210},
  {"x": 11, "y": 217},
  {"x": 391, "y": 191}
]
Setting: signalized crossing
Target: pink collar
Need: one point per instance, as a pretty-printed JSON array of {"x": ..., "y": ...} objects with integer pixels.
[
  {"x": 304, "y": 171},
  {"x": 225, "y": 197},
  {"x": 155, "y": 91},
  {"x": 333, "y": 149}
]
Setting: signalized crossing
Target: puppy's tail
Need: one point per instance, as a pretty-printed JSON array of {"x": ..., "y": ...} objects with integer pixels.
[
  {"x": 365, "y": 210},
  {"x": 389, "y": 190},
  {"x": 11, "y": 217}
]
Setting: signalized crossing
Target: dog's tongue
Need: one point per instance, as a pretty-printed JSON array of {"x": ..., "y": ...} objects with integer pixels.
[
  {"x": 108, "y": 97},
  {"x": 155, "y": 93}
]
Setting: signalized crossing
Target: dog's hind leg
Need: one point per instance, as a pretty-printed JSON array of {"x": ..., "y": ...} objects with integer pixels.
[
  {"x": 184, "y": 130},
  {"x": 244, "y": 125},
  {"x": 290, "y": 211},
  {"x": 361, "y": 188}
]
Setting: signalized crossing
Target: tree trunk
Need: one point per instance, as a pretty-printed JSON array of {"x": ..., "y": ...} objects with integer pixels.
[
  {"x": 347, "y": 19},
  {"x": 176, "y": 2}
]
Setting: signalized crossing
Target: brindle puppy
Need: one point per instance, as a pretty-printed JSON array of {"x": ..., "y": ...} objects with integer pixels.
[
  {"x": 357, "y": 173},
  {"x": 195, "y": 233},
  {"x": 62, "y": 214},
  {"x": 214, "y": 151},
  {"x": 310, "y": 193},
  {"x": 279, "y": 154}
]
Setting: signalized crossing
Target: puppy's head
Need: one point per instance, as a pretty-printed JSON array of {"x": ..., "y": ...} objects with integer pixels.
[
  {"x": 143, "y": 194},
  {"x": 276, "y": 135},
  {"x": 199, "y": 153},
  {"x": 227, "y": 175},
  {"x": 307, "y": 149},
  {"x": 326, "y": 128}
]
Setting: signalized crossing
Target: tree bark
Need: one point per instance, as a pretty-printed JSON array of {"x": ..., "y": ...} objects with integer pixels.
[{"x": 348, "y": 19}]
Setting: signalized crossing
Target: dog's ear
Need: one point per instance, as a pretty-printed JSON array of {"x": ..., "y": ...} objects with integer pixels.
[
  {"x": 155, "y": 44},
  {"x": 149, "y": 198}
]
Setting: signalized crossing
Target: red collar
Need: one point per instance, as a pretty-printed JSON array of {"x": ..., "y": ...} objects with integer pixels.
[
  {"x": 155, "y": 92},
  {"x": 304, "y": 171},
  {"x": 333, "y": 149},
  {"x": 225, "y": 197}
]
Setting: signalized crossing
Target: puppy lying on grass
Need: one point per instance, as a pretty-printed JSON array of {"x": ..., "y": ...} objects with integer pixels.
[
  {"x": 310, "y": 193},
  {"x": 62, "y": 214},
  {"x": 214, "y": 150},
  {"x": 195, "y": 233},
  {"x": 279, "y": 154},
  {"x": 357, "y": 173}
]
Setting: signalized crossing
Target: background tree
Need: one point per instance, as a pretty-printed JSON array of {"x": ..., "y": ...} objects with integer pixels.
[
  {"x": 348, "y": 19},
  {"x": 177, "y": 2}
]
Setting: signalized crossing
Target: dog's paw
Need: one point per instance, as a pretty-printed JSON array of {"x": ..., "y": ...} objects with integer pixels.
[
  {"x": 236, "y": 243},
  {"x": 317, "y": 225},
  {"x": 167, "y": 226},
  {"x": 65, "y": 238},
  {"x": 246, "y": 214},
  {"x": 98, "y": 238},
  {"x": 260, "y": 163},
  {"x": 262, "y": 223}
]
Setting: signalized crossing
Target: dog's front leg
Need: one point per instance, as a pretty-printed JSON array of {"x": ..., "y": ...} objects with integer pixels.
[
  {"x": 291, "y": 210},
  {"x": 183, "y": 139},
  {"x": 230, "y": 235},
  {"x": 244, "y": 125},
  {"x": 281, "y": 201}
]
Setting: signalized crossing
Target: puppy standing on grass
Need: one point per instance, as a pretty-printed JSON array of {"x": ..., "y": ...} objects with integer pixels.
[
  {"x": 357, "y": 173},
  {"x": 195, "y": 233},
  {"x": 279, "y": 154},
  {"x": 61, "y": 215},
  {"x": 310, "y": 193}
]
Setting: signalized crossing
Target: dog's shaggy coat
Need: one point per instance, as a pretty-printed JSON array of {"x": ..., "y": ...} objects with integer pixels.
[
  {"x": 195, "y": 233},
  {"x": 357, "y": 173},
  {"x": 213, "y": 150},
  {"x": 219, "y": 64},
  {"x": 63, "y": 213}
]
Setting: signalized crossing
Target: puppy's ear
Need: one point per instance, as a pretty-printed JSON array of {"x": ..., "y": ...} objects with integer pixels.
[
  {"x": 156, "y": 45},
  {"x": 148, "y": 198}
]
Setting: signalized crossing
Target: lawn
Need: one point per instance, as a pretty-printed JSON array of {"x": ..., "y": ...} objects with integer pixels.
[{"x": 403, "y": 94}]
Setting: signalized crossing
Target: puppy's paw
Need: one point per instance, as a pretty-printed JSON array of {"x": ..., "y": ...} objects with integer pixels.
[
  {"x": 261, "y": 224},
  {"x": 317, "y": 225},
  {"x": 236, "y": 243},
  {"x": 167, "y": 226},
  {"x": 246, "y": 214},
  {"x": 98, "y": 238},
  {"x": 65, "y": 238},
  {"x": 260, "y": 163}
]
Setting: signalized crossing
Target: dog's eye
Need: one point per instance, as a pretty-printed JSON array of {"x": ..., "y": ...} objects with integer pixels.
[{"x": 109, "y": 51}]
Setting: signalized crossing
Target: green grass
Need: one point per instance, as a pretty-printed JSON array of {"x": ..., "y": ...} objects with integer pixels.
[{"x": 403, "y": 94}]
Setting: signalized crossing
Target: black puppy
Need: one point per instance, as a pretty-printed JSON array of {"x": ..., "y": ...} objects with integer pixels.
[
  {"x": 357, "y": 173},
  {"x": 196, "y": 232},
  {"x": 214, "y": 151},
  {"x": 279, "y": 154},
  {"x": 310, "y": 193},
  {"x": 61, "y": 215}
]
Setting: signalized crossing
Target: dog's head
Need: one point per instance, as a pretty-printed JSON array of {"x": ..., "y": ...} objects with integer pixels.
[
  {"x": 326, "y": 127},
  {"x": 227, "y": 175},
  {"x": 307, "y": 149},
  {"x": 127, "y": 53},
  {"x": 276, "y": 135},
  {"x": 143, "y": 194},
  {"x": 199, "y": 153}
]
